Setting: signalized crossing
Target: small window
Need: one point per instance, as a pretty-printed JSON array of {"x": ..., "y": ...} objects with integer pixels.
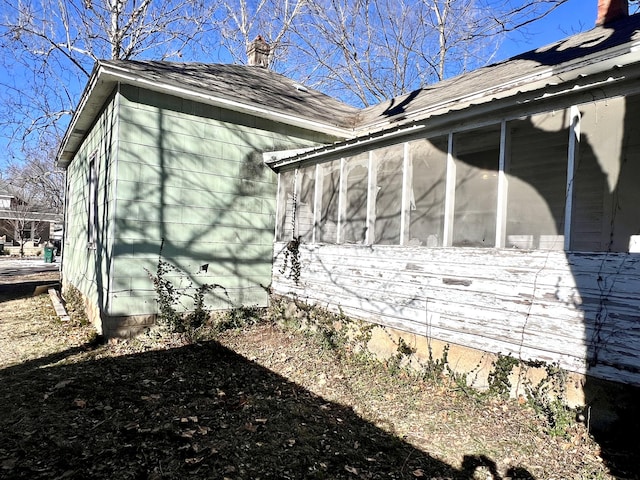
[{"x": 93, "y": 203}]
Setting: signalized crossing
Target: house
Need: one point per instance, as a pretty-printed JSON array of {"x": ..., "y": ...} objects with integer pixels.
[
  {"x": 165, "y": 159},
  {"x": 495, "y": 212},
  {"x": 22, "y": 221}
]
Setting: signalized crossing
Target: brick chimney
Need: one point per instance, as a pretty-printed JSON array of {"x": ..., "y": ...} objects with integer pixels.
[
  {"x": 611, "y": 10},
  {"x": 258, "y": 52}
]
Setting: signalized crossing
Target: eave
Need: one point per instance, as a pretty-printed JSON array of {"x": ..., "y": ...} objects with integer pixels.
[
  {"x": 523, "y": 96},
  {"x": 104, "y": 79}
]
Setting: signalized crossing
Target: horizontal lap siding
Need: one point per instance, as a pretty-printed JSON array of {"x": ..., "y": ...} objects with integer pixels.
[
  {"x": 539, "y": 305},
  {"x": 191, "y": 179}
]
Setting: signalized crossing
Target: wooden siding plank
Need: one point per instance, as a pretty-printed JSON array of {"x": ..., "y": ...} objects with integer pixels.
[{"x": 549, "y": 306}]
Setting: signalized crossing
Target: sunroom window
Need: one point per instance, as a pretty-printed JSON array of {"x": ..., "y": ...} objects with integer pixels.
[
  {"x": 537, "y": 181},
  {"x": 354, "y": 217},
  {"x": 286, "y": 202},
  {"x": 477, "y": 154},
  {"x": 306, "y": 198},
  {"x": 605, "y": 213},
  {"x": 327, "y": 228},
  {"x": 427, "y": 171},
  {"x": 388, "y": 194}
]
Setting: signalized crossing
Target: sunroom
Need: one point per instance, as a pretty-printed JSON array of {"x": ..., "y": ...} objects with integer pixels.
[{"x": 509, "y": 231}]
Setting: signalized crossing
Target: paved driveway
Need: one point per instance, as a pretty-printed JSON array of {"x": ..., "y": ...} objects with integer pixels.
[{"x": 10, "y": 267}]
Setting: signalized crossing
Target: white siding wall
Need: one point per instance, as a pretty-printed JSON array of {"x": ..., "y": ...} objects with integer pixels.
[{"x": 570, "y": 309}]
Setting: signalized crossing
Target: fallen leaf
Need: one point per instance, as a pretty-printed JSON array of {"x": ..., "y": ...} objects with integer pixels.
[
  {"x": 351, "y": 469},
  {"x": 62, "y": 384},
  {"x": 79, "y": 403},
  {"x": 418, "y": 473}
]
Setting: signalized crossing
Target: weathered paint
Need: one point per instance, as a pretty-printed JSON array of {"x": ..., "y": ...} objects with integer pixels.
[{"x": 578, "y": 310}]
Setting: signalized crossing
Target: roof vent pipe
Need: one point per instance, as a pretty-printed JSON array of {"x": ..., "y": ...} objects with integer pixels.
[
  {"x": 258, "y": 52},
  {"x": 611, "y": 10}
]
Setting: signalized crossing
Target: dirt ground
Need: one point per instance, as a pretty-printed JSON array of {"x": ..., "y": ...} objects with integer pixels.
[{"x": 258, "y": 402}]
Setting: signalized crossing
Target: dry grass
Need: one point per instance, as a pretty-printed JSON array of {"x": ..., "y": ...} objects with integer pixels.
[{"x": 262, "y": 401}]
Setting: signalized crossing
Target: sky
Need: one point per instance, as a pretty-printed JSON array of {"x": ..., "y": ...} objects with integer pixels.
[{"x": 570, "y": 18}]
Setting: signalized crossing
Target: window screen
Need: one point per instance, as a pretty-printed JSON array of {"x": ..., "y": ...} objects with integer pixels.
[
  {"x": 537, "y": 181},
  {"x": 354, "y": 226},
  {"x": 427, "y": 172},
  {"x": 477, "y": 156},
  {"x": 306, "y": 197},
  {"x": 330, "y": 188},
  {"x": 605, "y": 213},
  {"x": 388, "y": 201},
  {"x": 286, "y": 202}
]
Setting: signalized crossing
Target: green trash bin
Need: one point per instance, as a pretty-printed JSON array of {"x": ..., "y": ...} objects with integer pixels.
[{"x": 48, "y": 254}]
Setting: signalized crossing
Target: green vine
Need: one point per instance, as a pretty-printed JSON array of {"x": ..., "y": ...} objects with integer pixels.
[
  {"x": 498, "y": 379},
  {"x": 169, "y": 299},
  {"x": 292, "y": 257}
]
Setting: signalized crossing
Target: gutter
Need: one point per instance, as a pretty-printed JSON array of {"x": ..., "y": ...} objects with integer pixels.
[{"x": 86, "y": 94}]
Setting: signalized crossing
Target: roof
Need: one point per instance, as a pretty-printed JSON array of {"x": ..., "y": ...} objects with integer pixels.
[
  {"x": 264, "y": 93},
  {"x": 522, "y": 79},
  {"x": 599, "y": 49},
  {"x": 248, "y": 89}
]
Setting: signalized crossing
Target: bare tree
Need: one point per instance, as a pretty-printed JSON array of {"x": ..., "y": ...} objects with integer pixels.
[
  {"x": 50, "y": 46},
  {"x": 369, "y": 50},
  {"x": 361, "y": 51},
  {"x": 38, "y": 179},
  {"x": 23, "y": 215},
  {"x": 238, "y": 22}
]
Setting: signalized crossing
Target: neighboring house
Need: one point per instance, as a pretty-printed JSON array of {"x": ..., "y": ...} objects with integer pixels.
[
  {"x": 24, "y": 221},
  {"x": 169, "y": 155},
  {"x": 496, "y": 211}
]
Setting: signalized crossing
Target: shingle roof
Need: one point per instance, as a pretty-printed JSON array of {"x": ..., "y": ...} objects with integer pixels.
[
  {"x": 264, "y": 92},
  {"x": 245, "y": 84},
  {"x": 249, "y": 89}
]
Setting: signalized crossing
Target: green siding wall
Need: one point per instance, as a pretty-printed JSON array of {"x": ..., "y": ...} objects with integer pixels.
[
  {"x": 192, "y": 174},
  {"x": 88, "y": 268}
]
